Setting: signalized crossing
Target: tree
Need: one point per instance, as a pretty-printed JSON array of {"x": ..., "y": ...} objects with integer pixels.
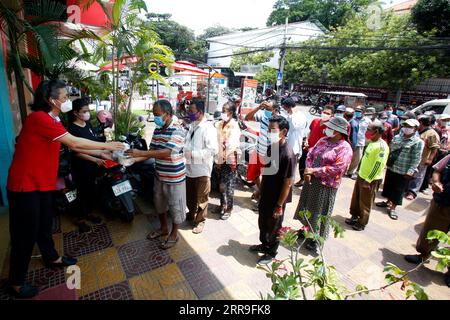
[
  {"x": 330, "y": 13},
  {"x": 249, "y": 59},
  {"x": 174, "y": 35},
  {"x": 393, "y": 69},
  {"x": 430, "y": 15}
]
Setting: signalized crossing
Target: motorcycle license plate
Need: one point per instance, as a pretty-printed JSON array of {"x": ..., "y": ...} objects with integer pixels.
[
  {"x": 71, "y": 196},
  {"x": 122, "y": 188}
]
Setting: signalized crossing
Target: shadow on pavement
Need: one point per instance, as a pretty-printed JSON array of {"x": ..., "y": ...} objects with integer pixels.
[{"x": 240, "y": 252}]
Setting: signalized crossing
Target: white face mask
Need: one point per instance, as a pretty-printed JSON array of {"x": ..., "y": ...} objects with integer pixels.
[
  {"x": 224, "y": 117},
  {"x": 329, "y": 132},
  {"x": 325, "y": 117},
  {"x": 66, "y": 106},
  {"x": 85, "y": 116},
  {"x": 274, "y": 137},
  {"x": 408, "y": 131}
]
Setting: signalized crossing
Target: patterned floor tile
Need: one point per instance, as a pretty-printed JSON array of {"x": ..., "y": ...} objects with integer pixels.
[
  {"x": 146, "y": 287},
  {"x": 99, "y": 270},
  {"x": 199, "y": 277},
  {"x": 142, "y": 256},
  {"x": 61, "y": 292},
  {"x": 168, "y": 275},
  {"x": 78, "y": 244},
  {"x": 181, "y": 251},
  {"x": 219, "y": 295},
  {"x": 123, "y": 232},
  {"x": 46, "y": 278},
  {"x": 179, "y": 291},
  {"x": 120, "y": 291}
]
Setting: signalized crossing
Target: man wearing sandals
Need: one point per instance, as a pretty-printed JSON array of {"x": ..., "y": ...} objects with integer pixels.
[
  {"x": 404, "y": 158},
  {"x": 169, "y": 191}
]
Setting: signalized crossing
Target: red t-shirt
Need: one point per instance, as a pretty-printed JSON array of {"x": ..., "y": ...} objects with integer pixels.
[
  {"x": 36, "y": 159},
  {"x": 316, "y": 132}
]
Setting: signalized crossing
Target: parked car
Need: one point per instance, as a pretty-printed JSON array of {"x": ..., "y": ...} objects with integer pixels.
[{"x": 439, "y": 106}]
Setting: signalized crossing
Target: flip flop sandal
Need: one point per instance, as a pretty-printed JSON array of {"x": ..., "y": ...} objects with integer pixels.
[
  {"x": 392, "y": 215},
  {"x": 382, "y": 204},
  {"x": 156, "y": 234},
  {"x": 169, "y": 244}
]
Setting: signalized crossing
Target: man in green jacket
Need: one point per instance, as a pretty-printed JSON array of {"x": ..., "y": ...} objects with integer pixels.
[{"x": 370, "y": 176}]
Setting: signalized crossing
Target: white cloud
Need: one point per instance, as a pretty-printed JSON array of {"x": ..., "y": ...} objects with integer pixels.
[{"x": 200, "y": 14}]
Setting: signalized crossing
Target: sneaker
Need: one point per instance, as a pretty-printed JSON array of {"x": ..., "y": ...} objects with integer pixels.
[
  {"x": 25, "y": 292},
  {"x": 199, "y": 228},
  {"x": 299, "y": 184},
  {"x": 414, "y": 259},
  {"x": 266, "y": 259},
  {"x": 83, "y": 227},
  {"x": 94, "y": 219},
  {"x": 257, "y": 248},
  {"x": 358, "y": 227},
  {"x": 351, "y": 221},
  {"x": 354, "y": 176},
  {"x": 226, "y": 215}
]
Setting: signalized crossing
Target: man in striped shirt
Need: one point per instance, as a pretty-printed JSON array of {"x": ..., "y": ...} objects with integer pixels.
[
  {"x": 169, "y": 193},
  {"x": 262, "y": 114},
  {"x": 369, "y": 176}
]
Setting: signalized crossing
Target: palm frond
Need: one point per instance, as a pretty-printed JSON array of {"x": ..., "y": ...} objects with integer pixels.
[{"x": 44, "y": 11}]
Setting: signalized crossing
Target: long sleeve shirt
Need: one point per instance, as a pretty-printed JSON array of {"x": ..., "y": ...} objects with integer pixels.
[
  {"x": 200, "y": 149},
  {"x": 297, "y": 127},
  {"x": 335, "y": 158},
  {"x": 410, "y": 154},
  {"x": 363, "y": 125}
]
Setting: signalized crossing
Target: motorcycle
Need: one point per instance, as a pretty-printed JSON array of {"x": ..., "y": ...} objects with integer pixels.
[
  {"x": 142, "y": 173},
  {"x": 65, "y": 195},
  {"x": 315, "y": 110},
  {"x": 115, "y": 188}
]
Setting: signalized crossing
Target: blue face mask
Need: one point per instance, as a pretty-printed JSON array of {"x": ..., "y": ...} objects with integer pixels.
[
  {"x": 389, "y": 113},
  {"x": 400, "y": 113},
  {"x": 268, "y": 114},
  {"x": 358, "y": 114},
  {"x": 159, "y": 121},
  {"x": 339, "y": 115}
]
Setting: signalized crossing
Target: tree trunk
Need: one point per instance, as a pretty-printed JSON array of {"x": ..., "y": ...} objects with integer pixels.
[{"x": 398, "y": 97}]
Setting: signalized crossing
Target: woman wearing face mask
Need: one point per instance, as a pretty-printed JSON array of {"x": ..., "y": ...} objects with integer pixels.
[
  {"x": 316, "y": 132},
  {"x": 228, "y": 138},
  {"x": 32, "y": 181},
  {"x": 84, "y": 166},
  {"x": 326, "y": 163},
  {"x": 404, "y": 158}
]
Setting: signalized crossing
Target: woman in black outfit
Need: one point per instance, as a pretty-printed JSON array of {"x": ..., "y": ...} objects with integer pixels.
[{"x": 84, "y": 165}]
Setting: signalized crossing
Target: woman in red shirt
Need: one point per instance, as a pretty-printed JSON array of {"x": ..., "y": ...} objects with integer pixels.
[{"x": 32, "y": 179}]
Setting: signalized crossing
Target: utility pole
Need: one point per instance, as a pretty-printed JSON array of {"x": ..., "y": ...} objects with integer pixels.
[{"x": 280, "y": 75}]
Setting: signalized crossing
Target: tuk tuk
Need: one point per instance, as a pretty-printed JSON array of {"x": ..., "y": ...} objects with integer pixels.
[{"x": 349, "y": 99}]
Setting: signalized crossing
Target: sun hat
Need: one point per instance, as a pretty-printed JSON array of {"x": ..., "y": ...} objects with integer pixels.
[
  {"x": 349, "y": 110},
  {"x": 412, "y": 123},
  {"x": 338, "y": 124},
  {"x": 370, "y": 111},
  {"x": 341, "y": 108}
]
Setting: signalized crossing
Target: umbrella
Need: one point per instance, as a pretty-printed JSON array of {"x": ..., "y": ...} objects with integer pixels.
[
  {"x": 82, "y": 65},
  {"x": 186, "y": 66},
  {"x": 124, "y": 59}
]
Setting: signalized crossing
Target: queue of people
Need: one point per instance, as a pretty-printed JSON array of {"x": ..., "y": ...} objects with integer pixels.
[{"x": 341, "y": 142}]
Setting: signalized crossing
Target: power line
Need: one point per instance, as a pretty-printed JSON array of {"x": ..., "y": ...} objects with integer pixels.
[{"x": 379, "y": 48}]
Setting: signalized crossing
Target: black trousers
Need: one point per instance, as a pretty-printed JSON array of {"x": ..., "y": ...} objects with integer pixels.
[
  {"x": 302, "y": 163},
  {"x": 86, "y": 191},
  {"x": 30, "y": 222},
  {"x": 268, "y": 228}
]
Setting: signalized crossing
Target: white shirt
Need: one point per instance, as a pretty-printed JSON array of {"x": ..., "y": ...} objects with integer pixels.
[
  {"x": 201, "y": 142},
  {"x": 297, "y": 130}
]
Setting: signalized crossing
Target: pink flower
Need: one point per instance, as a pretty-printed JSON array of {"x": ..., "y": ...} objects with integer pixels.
[
  {"x": 305, "y": 228},
  {"x": 284, "y": 230}
]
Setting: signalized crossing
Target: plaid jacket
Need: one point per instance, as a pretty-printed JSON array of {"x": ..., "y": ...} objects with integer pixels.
[{"x": 410, "y": 155}]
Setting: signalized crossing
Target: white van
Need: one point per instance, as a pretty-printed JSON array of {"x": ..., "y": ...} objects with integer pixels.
[{"x": 439, "y": 106}]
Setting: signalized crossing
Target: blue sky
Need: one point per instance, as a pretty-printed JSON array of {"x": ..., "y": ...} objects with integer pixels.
[{"x": 200, "y": 14}]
